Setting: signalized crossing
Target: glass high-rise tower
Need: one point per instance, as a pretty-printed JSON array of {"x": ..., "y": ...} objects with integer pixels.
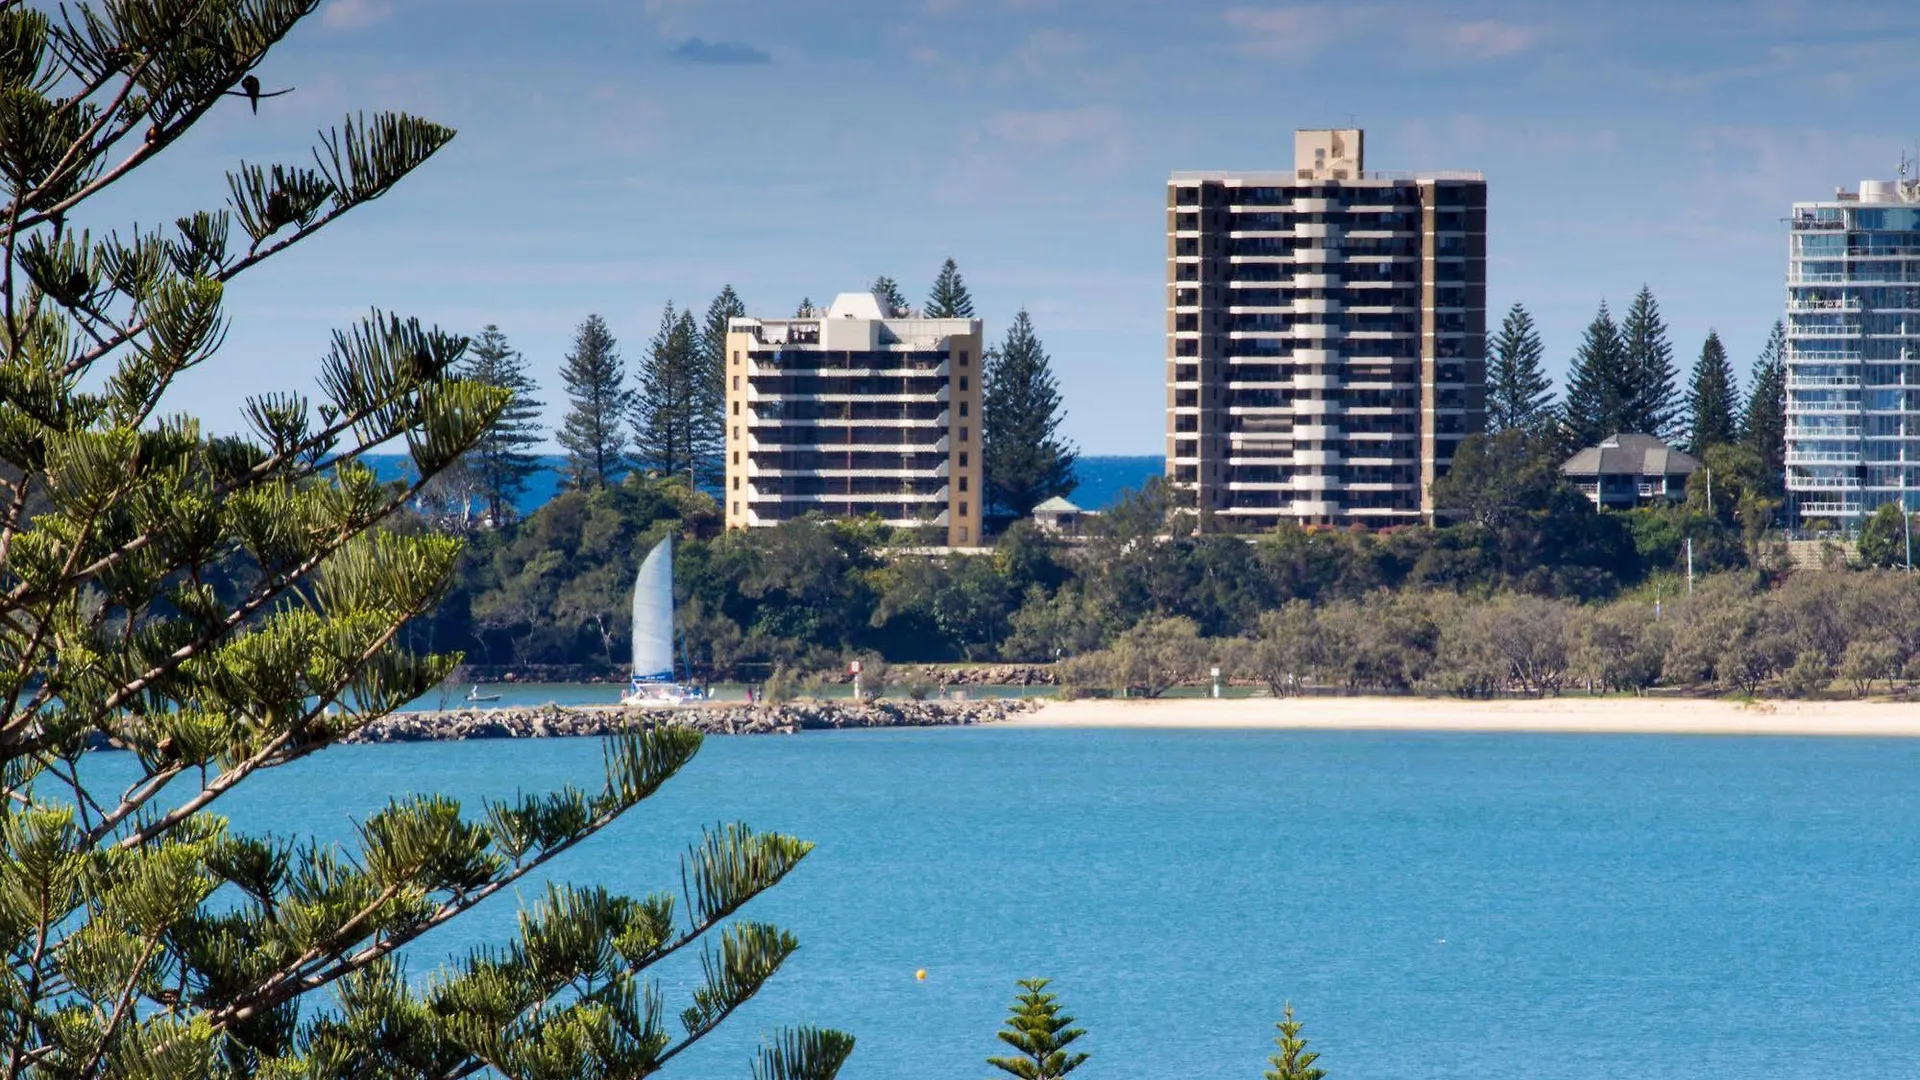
[{"x": 1853, "y": 353}]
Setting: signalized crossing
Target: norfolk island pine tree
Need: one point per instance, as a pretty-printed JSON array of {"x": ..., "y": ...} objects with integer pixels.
[
  {"x": 593, "y": 432},
  {"x": 148, "y": 936}
]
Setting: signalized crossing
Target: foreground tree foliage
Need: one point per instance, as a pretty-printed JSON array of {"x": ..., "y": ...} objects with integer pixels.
[
  {"x": 222, "y": 607},
  {"x": 1292, "y": 1061},
  {"x": 1040, "y": 1035}
]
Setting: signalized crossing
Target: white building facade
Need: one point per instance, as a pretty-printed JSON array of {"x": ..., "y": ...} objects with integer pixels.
[{"x": 1853, "y": 353}]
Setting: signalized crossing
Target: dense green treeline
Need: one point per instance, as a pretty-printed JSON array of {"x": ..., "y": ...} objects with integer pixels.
[{"x": 555, "y": 589}]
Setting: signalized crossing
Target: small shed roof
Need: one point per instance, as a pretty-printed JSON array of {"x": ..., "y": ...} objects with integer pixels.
[{"x": 1057, "y": 505}]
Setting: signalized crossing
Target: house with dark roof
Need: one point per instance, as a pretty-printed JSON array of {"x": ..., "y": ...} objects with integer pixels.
[{"x": 1628, "y": 470}]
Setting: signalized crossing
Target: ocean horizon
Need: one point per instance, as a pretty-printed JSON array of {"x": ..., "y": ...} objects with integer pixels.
[{"x": 1101, "y": 479}]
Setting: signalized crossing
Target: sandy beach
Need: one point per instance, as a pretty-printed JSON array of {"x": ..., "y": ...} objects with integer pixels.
[{"x": 1577, "y": 714}]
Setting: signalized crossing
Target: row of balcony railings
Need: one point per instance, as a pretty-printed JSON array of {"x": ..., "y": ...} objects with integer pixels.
[
  {"x": 804, "y": 411},
  {"x": 848, "y": 458},
  {"x": 1241, "y": 273},
  {"x": 1446, "y": 246},
  {"x": 913, "y": 487},
  {"x": 767, "y": 512},
  {"x": 873, "y": 385},
  {"x": 850, "y": 360},
  {"x": 1859, "y": 273}
]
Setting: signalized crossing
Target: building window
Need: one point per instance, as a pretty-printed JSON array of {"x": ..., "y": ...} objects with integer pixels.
[
  {"x": 736, "y": 509},
  {"x": 963, "y": 459},
  {"x": 736, "y": 382},
  {"x": 963, "y": 408},
  {"x": 963, "y": 509},
  {"x": 963, "y": 434},
  {"x": 963, "y": 483},
  {"x": 963, "y": 358},
  {"x": 736, "y": 483},
  {"x": 736, "y": 431},
  {"x": 963, "y": 382},
  {"x": 963, "y": 534},
  {"x": 736, "y": 457},
  {"x": 736, "y": 356},
  {"x": 736, "y": 408}
]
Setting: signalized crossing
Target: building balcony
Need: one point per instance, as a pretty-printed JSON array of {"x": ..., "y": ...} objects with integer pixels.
[
  {"x": 1848, "y": 303},
  {"x": 1828, "y": 509},
  {"x": 1815, "y": 382},
  {"x": 1806, "y": 407},
  {"x": 915, "y": 370},
  {"x": 774, "y": 446},
  {"x": 1823, "y": 457},
  {"x": 845, "y": 422},
  {"x": 940, "y": 471},
  {"x": 755, "y": 495},
  {"x": 1823, "y": 483}
]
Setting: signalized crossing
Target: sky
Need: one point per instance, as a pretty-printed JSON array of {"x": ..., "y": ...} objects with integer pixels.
[{"x": 615, "y": 156}]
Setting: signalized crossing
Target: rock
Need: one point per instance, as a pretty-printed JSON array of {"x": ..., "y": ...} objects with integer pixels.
[{"x": 550, "y": 721}]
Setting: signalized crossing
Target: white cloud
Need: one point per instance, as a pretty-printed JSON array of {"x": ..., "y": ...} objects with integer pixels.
[
  {"x": 355, "y": 14},
  {"x": 1099, "y": 124},
  {"x": 1305, "y": 30},
  {"x": 1489, "y": 39}
]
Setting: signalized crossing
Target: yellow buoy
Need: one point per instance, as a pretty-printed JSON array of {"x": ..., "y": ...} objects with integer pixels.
[{"x": 921, "y": 975}]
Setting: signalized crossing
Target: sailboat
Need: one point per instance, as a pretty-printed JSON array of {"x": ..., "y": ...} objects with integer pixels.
[{"x": 653, "y": 676}]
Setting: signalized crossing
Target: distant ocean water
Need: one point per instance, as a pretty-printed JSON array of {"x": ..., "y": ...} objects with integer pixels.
[
  {"x": 1435, "y": 906},
  {"x": 1102, "y": 479}
]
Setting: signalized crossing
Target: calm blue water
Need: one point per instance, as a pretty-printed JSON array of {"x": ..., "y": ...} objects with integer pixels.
[
  {"x": 1102, "y": 479},
  {"x": 1435, "y": 906}
]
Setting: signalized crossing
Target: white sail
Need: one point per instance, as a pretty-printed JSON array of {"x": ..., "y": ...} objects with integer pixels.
[{"x": 653, "y": 616}]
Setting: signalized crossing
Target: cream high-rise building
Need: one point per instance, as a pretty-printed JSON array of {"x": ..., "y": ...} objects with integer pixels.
[
  {"x": 855, "y": 412},
  {"x": 1326, "y": 336}
]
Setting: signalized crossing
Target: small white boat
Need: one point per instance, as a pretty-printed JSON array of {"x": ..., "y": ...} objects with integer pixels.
[
  {"x": 474, "y": 694},
  {"x": 653, "y": 680}
]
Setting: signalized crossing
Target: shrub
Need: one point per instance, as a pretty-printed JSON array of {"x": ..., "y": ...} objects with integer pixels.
[
  {"x": 1810, "y": 675},
  {"x": 780, "y": 686}
]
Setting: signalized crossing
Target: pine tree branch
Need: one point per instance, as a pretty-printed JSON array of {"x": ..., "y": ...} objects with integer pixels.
[
  {"x": 122, "y": 1002},
  {"x": 264, "y": 592},
  {"x": 289, "y": 984}
]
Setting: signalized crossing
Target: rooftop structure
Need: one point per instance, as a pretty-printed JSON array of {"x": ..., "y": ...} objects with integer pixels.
[
  {"x": 1626, "y": 470},
  {"x": 1853, "y": 352},
  {"x": 1326, "y": 335},
  {"x": 855, "y": 412}
]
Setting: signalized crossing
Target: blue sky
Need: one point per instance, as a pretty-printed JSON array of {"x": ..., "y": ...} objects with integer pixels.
[{"x": 613, "y": 156}]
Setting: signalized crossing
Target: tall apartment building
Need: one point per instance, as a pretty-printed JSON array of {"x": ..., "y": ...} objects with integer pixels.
[
  {"x": 855, "y": 412},
  {"x": 1853, "y": 352},
  {"x": 1326, "y": 335}
]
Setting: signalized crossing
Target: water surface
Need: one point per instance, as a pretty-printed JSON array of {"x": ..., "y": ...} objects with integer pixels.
[{"x": 1434, "y": 905}]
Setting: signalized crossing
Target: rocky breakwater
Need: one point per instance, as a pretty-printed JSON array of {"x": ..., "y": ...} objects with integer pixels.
[{"x": 549, "y": 721}]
